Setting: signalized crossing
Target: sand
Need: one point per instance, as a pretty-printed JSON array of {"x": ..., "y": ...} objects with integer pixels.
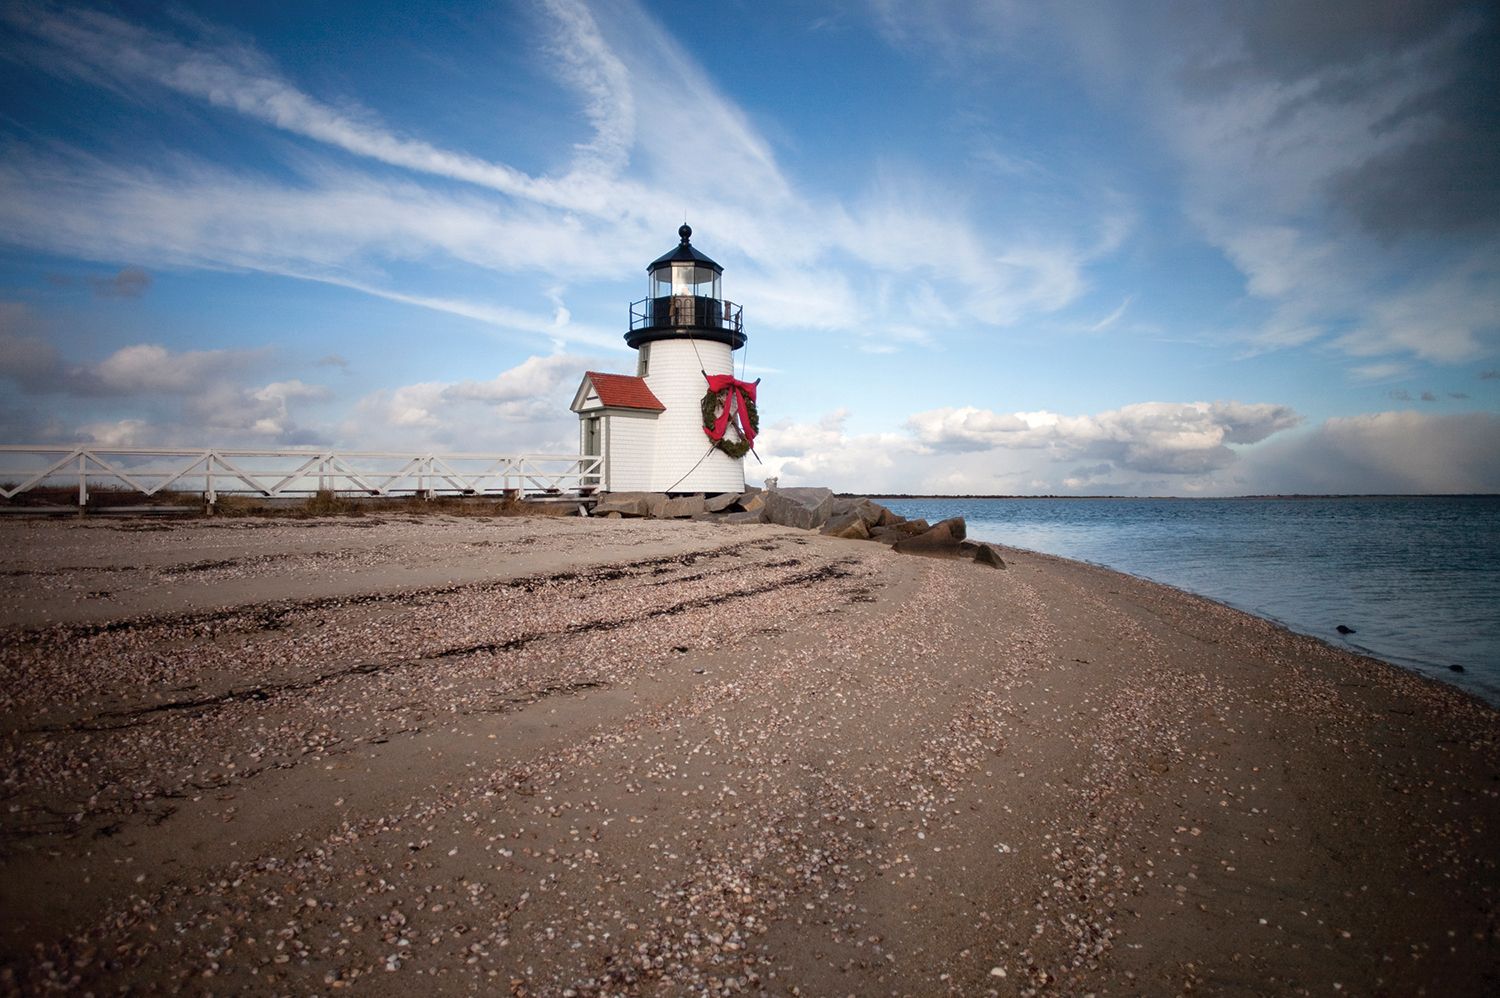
[{"x": 430, "y": 755}]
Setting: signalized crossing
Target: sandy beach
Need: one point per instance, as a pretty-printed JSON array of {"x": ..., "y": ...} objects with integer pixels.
[{"x": 552, "y": 756}]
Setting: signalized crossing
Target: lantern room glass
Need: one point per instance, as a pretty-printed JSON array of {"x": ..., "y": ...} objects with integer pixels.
[{"x": 685, "y": 279}]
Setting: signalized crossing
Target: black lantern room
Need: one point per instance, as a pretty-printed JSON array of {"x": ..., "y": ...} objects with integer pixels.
[{"x": 685, "y": 301}]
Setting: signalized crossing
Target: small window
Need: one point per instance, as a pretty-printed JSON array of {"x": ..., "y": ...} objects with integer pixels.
[{"x": 643, "y": 361}]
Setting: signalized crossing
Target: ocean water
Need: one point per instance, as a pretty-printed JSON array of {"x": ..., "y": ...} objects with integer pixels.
[{"x": 1418, "y": 578}]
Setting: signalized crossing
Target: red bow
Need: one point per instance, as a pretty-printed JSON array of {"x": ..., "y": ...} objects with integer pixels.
[{"x": 739, "y": 392}]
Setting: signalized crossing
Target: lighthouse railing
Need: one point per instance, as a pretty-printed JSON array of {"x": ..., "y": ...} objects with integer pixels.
[
  {"x": 283, "y": 473},
  {"x": 686, "y": 311}
]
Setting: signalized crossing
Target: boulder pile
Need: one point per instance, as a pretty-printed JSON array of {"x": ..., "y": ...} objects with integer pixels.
[{"x": 810, "y": 509}]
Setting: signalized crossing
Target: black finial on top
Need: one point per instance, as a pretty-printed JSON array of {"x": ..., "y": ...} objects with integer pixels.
[{"x": 686, "y": 232}]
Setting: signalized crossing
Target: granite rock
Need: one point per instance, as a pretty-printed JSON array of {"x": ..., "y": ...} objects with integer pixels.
[
  {"x": 804, "y": 508},
  {"x": 721, "y": 502},
  {"x": 681, "y": 506},
  {"x": 627, "y": 503},
  {"x": 848, "y": 524}
]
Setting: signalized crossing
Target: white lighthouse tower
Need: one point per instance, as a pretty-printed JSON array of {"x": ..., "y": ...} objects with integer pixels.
[{"x": 650, "y": 428}]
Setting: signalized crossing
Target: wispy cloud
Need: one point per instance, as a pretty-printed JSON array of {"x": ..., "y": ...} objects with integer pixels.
[
  {"x": 1340, "y": 157},
  {"x": 238, "y": 78},
  {"x": 359, "y": 227},
  {"x": 1113, "y": 317}
]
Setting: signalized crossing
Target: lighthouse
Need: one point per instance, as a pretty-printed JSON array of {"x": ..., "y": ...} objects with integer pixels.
[{"x": 682, "y": 423}]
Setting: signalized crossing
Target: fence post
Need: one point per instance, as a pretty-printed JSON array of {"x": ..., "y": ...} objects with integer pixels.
[{"x": 83, "y": 480}]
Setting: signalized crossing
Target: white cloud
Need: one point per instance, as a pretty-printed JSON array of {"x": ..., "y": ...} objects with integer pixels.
[
  {"x": 119, "y": 433},
  {"x": 1271, "y": 133},
  {"x": 272, "y": 414},
  {"x": 240, "y": 79},
  {"x": 1113, "y": 317},
  {"x": 1321, "y": 148},
  {"x": 149, "y": 367},
  {"x": 977, "y": 450},
  {"x": 524, "y": 408},
  {"x": 822, "y": 452},
  {"x": 360, "y": 229},
  {"x": 1151, "y": 437}
]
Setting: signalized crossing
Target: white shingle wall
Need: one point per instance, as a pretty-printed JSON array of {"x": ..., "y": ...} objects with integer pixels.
[
  {"x": 677, "y": 380},
  {"x": 631, "y": 444}
]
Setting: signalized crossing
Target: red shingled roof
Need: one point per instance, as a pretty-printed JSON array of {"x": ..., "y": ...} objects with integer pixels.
[{"x": 621, "y": 391}]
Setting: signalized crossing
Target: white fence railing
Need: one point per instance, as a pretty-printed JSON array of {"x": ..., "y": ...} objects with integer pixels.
[{"x": 274, "y": 473}]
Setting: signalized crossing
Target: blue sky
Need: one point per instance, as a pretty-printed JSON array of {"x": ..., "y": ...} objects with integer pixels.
[{"x": 1143, "y": 248}]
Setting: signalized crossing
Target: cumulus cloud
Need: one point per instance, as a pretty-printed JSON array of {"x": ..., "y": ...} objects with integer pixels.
[
  {"x": 173, "y": 398},
  {"x": 1151, "y": 437},
  {"x": 35, "y": 366},
  {"x": 117, "y": 433},
  {"x": 151, "y": 368},
  {"x": 1148, "y": 449},
  {"x": 522, "y": 408},
  {"x": 823, "y": 450},
  {"x": 1182, "y": 446}
]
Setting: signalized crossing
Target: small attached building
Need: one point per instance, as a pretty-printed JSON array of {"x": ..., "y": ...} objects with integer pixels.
[{"x": 617, "y": 416}]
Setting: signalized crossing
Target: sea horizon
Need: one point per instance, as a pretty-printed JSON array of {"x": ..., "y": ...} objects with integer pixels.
[{"x": 1265, "y": 495}]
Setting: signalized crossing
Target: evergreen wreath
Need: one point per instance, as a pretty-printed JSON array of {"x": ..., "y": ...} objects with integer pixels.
[{"x": 711, "y": 405}]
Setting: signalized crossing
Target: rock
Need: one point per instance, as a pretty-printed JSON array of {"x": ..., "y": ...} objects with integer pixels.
[
  {"x": 869, "y": 512},
  {"x": 885, "y": 535},
  {"x": 941, "y": 540},
  {"x": 681, "y": 506},
  {"x": 753, "y": 516},
  {"x": 907, "y": 528},
  {"x": 614, "y": 514},
  {"x": 1342, "y": 629},
  {"x": 804, "y": 508},
  {"x": 989, "y": 555},
  {"x": 721, "y": 502},
  {"x": 950, "y": 532},
  {"x": 627, "y": 503},
  {"x": 849, "y": 524},
  {"x": 838, "y": 519},
  {"x": 1455, "y": 668},
  {"x": 955, "y": 527},
  {"x": 753, "y": 502}
]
